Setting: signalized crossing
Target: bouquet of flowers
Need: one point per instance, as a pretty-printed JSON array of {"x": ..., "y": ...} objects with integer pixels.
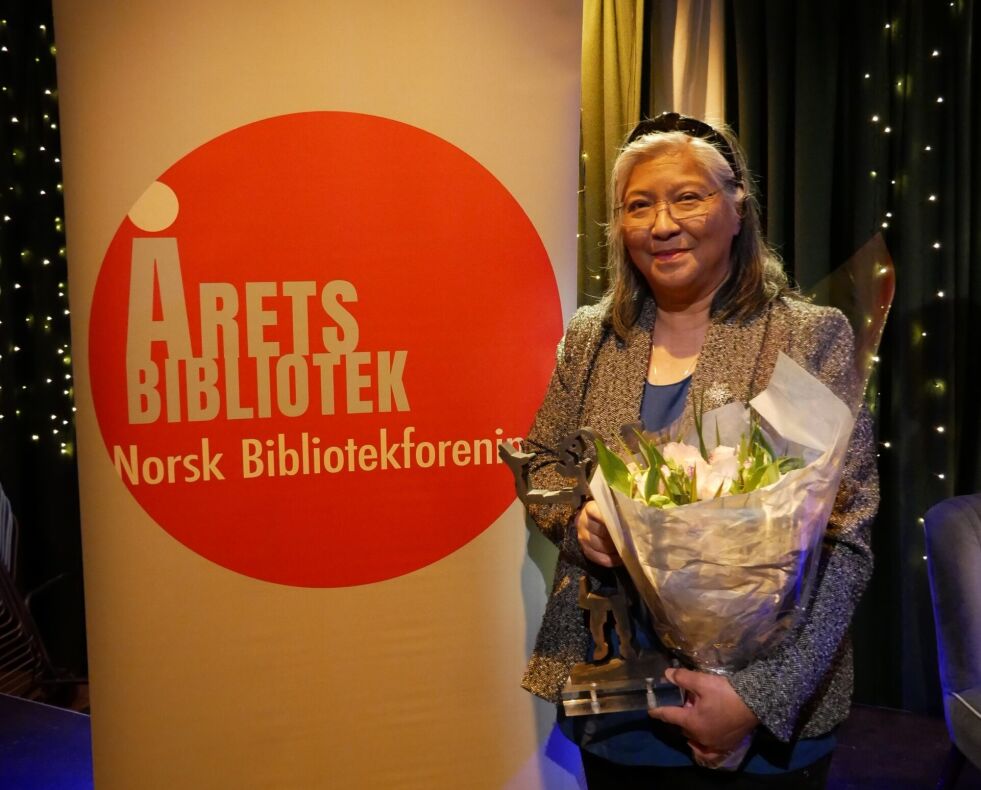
[
  {"x": 721, "y": 537},
  {"x": 680, "y": 474}
]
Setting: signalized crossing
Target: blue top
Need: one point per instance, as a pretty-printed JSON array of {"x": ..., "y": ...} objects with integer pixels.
[
  {"x": 633, "y": 737},
  {"x": 662, "y": 404}
]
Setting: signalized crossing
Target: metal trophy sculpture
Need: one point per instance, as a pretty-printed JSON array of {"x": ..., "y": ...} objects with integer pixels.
[{"x": 621, "y": 676}]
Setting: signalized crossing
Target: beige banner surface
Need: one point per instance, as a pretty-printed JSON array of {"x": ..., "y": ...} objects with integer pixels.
[{"x": 388, "y": 653}]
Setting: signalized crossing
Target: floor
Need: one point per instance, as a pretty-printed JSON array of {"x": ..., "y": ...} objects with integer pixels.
[
  {"x": 884, "y": 749},
  {"x": 878, "y": 749}
]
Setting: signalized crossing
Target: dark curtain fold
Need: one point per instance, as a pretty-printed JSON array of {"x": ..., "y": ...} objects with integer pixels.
[
  {"x": 856, "y": 118},
  {"x": 37, "y": 462}
]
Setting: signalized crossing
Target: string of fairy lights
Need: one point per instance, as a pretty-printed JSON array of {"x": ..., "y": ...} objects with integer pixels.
[
  {"x": 922, "y": 205},
  {"x": 36, "y": 383}
]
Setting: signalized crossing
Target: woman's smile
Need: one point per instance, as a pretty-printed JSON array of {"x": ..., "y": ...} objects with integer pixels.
[{"x": 670, "y": 255}]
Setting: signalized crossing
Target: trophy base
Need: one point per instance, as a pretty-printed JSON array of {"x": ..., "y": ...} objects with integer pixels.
[{"x": 618, "y": 685}]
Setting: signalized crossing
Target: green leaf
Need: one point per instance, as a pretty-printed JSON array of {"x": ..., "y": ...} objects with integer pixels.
[
  {"x": 674, "y": 482},
  {"x": 758, "y": 438},
  {"x": 651, "y": 478},
  {"x": 647, "y": 449},
  {"x": 614, "y": 469},
  {"x": 698, "y": 425},
  {"x": 789, "y": 463},
  {"x": 753, "y": 476},
  {"x": 743, "y": 450},
  {"x": 771, "y": 473}
]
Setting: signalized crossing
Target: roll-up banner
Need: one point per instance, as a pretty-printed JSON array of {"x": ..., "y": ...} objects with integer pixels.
[{"x": 320, "y": 256}]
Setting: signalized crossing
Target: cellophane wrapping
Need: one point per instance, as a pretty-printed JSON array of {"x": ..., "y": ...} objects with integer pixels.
[{"x": 725, "y": 579}]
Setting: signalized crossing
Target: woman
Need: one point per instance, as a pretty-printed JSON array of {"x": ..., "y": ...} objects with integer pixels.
[{"x": 698, "y": 307}]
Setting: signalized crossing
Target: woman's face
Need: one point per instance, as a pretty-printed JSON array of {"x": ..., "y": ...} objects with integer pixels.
[{"x": 687, "y": 260}]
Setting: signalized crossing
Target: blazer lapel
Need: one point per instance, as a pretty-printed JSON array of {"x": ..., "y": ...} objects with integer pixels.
[
  {"x": 618, "y": 390},
  {"x": 729, "y": 365}
]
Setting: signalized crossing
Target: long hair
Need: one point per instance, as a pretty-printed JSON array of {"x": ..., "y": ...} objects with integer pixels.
[{"x": 756, "y": 273}]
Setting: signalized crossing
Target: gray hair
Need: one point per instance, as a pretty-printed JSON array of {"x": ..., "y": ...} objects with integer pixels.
[{"x": 756, "y": 275}]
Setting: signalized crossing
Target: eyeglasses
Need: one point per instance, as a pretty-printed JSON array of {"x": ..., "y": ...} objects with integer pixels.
[{"x": 642, "y": 212}]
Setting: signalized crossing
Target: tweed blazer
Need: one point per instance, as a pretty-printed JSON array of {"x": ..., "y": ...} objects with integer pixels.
[{"x": 803, "y": 687}]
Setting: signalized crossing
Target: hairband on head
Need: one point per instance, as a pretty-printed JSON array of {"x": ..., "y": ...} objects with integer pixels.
[{"x": 675, "y": 122}]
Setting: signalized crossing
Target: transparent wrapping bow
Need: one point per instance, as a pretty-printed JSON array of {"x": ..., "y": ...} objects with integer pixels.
[{"x": 725, "y": 578}]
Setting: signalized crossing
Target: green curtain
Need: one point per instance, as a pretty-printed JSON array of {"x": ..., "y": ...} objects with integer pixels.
[
  {"x": 861, "y": 117},
  {"x": 612, "y": 49}
]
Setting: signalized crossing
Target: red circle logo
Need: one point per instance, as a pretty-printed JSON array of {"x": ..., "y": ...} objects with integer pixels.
[{"x": 307, "y": 340}]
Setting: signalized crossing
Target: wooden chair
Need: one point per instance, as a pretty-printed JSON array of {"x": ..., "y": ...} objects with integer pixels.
[{"x": 26, "y": 670}]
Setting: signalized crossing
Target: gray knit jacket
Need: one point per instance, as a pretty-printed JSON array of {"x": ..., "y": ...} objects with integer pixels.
[{"x": 803, "y": 687}]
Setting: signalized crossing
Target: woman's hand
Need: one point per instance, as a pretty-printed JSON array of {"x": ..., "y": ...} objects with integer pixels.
[
  {"x": 714, "y": 718},
  {"x": 594, "y": 537}
]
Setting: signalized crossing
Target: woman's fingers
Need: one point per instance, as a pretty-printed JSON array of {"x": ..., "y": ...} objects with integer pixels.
[
  {"x": 594, "y": 538},
  {"x": 693, "y": 682},
  {"x": 600, "y": 558},
  {"x": 717, "y": 720}
]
